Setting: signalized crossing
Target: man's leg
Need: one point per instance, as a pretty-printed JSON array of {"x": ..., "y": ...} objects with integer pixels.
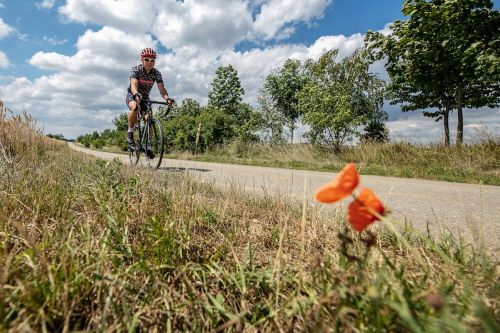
[{"x": 132, "y": 120}]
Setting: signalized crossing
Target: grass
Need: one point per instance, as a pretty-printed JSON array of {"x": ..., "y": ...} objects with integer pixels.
[
  {"x": 477, "y": 162},
  {"x": 92, "y": 245}
]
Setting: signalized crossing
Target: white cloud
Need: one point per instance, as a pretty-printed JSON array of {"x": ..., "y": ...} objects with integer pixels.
[
  {"x": 134, "y": 16},
  {"x": 204, "y": 24},
  {"x": 4, "y": 29},
  {"x": 45, "y": 4},
  {"x": 4, "y": 61},
  {"x": 199, "y": 24},
  {"x": 54, "y": 40},
  {"x": 276, "y": 14}
]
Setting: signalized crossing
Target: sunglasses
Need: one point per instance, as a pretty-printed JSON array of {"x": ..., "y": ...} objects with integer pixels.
[{"x": 149, "y": 60}]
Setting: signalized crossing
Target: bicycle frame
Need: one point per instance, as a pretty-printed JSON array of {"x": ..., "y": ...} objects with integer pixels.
[{"x": 144, "y": 134}]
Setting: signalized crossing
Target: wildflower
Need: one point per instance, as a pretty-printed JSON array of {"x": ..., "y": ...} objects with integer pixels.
[
  {"x": 343, "y": 185},
  {"x": 361, "y": 211},
  {"x": 366, "y": 207}
]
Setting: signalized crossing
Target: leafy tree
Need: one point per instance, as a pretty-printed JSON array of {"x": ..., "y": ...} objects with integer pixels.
[
  {"x": 445, "y": 56},
  {"x": 226, "y": 93},
  {"x": 56, "y": 136},
  {"x": 376, "y": 131},
  {"x": 217, "y": 127},
  {"x": 273, "y": 121},
  {"x": 181, "y": 128},
  {"x": 248, "y": 123},
  {"x": 283, "y": 85},
  {"x": 121, "y": 122},
  {"x": 240, "y": 120},
  {"x": 339, "y": 98}
]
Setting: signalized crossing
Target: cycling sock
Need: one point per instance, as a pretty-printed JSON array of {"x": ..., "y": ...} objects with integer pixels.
[
  {"x": 130, "y": 130},
  {"x": 148, "y": 147}
]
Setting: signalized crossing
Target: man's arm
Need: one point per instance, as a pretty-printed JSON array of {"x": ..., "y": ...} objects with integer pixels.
[
  {"x": 163, "y": 91},
  {"x": 134, "y": 87}
]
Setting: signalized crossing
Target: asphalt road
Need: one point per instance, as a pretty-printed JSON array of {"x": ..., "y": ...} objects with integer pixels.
[{"x": 471, "y": 211}]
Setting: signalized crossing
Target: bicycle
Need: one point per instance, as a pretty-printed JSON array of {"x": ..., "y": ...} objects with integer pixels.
[{"x": 155, "y": 138}]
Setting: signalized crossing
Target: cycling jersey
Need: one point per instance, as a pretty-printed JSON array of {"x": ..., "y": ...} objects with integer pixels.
[{"x": 145, "y": 80}]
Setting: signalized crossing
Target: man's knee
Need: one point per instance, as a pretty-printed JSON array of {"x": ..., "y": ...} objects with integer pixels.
[{"x": 133, "y": 106}]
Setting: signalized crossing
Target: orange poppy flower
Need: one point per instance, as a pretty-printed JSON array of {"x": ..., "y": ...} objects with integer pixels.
[
  {"x": 360, "y": 211},
  {"x": 343, "y": 185}
]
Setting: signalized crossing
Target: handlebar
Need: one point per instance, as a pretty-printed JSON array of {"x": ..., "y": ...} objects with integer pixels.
[
  {"x": 158, "y": 102},
  {"x": 164, "y": 113}
]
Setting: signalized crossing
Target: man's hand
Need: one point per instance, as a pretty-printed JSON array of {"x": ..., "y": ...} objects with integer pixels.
[
  {"x": 170, "y": 101},
  {"x": 138, "y": 97}
]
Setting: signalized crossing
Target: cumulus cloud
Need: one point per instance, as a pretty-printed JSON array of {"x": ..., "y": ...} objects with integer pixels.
[
  {"x": 4, "y": 29},
  {"x": 134, "y": 16},
  {"x": 4, "y": 61},
  {"x": 275, "y": 15},
  {"x": 205, "y": 24},
  {"x": 199, "y": 24}
]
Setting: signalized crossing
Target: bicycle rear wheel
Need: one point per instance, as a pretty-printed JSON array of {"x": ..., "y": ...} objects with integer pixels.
[
  {"x": 134, "y": 154},
  {"x": 156, "y": 142}
]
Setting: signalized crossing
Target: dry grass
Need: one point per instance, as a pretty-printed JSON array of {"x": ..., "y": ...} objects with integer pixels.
[
  {"x": 478, "y": 161},
  {"x": 93, "y": 245}
]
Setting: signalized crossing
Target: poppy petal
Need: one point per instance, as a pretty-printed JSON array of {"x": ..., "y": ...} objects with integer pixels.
[
  {"x": 343, "y": 185},
  {"x": 360, "y": 211}
]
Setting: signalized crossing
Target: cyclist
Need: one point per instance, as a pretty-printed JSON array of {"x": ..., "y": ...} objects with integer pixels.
[{"x": 142, "y": 79}]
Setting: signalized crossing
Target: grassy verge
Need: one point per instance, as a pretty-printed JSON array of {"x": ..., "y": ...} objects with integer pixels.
[
  {"x": 472, "y": 163},
  {"x": 94, "y": 245}
]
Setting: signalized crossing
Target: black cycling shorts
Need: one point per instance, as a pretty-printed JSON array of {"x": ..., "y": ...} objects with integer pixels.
[{"x": 144, "y": 105}]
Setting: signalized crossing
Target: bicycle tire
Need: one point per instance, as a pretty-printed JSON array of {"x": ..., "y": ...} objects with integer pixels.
[
  {"x": 135, "y": 154},
  {"x": 156, "y": 142}
]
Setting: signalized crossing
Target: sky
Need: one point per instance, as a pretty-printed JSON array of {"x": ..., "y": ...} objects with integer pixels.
[{"x": 67, "y": 62}]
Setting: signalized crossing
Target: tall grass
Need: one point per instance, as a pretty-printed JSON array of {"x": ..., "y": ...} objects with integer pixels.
[
  {"x": 478, "y": 161},
  {"x": 92, "y": 245}
]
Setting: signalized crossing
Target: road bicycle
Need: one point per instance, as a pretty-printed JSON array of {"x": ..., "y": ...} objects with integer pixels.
[{"x": 154, "y": 141}]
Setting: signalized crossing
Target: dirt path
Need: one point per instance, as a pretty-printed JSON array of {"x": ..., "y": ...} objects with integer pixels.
[{"x": 468, "y": 210}]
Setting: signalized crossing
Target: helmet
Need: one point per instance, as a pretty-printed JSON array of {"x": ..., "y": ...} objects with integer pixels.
[{"x": 148, "y": 53}]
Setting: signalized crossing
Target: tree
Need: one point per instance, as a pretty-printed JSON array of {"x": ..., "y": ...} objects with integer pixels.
[
  {"x": 283, "y": 85},
  {"x": 226, "y": 93},
  {"x": 240, "y": 120},
  {"x": 121, "y": 122},
  {"x": 273, "y": 121},
  {"x": 181, "y": 128},
  {"x": 217, "y": 127},
  {"x": 339, "y": 98},
  {"x": 375, "y": 130},
  {"x": 56, "y": 136},
  {"x": 445, "y": 56}
]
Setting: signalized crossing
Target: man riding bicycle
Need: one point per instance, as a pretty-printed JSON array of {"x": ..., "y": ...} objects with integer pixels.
[{"x": 142, "y": 79}]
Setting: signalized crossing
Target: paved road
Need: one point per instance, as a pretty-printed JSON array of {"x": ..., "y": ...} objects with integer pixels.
[{"x": 466, "y": 209}]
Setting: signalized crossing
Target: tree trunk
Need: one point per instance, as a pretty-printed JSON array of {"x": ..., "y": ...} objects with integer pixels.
[
  {"x": 460, "y": 124},
  {"x": 446, "y": 115},
  {"x": 291, "y": 136}
]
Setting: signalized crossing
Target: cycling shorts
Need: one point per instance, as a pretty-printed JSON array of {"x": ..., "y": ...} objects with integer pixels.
[{"x": 144, "y": 105}]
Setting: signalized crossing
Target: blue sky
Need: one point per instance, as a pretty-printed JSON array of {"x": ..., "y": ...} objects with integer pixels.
[{"x": 67, "y": 61}]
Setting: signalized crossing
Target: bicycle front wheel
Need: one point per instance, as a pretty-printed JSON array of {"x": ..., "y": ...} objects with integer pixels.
[{"x": 156, "y": 144}]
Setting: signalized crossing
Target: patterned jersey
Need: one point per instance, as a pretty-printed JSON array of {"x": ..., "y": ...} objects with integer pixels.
[{"x": 145, "y": 80}]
